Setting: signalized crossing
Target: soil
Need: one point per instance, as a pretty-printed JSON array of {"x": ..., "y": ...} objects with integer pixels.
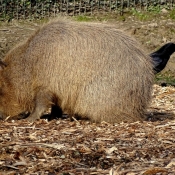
[{"x": 67, "y": 147}]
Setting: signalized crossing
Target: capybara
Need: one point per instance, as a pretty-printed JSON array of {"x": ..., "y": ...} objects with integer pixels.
[
  {"x": 160, "y": 57},
  {"x": 91, "y": 70}
]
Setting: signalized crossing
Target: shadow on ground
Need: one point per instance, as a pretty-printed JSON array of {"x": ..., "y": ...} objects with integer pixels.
[{"x": 159, "y": 116}]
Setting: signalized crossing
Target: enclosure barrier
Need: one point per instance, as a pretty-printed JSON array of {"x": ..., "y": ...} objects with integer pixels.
[{"x": 22, "y": 9}]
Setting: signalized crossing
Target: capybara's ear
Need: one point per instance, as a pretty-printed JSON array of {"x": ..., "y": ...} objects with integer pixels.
[{"x": 2, "y": 65}]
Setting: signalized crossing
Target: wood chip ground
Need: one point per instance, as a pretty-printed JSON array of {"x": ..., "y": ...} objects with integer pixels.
[{"x": 67, "y": 147}]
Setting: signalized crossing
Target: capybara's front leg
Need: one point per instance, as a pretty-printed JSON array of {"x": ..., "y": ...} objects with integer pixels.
[{"x": 43, "y": 101}]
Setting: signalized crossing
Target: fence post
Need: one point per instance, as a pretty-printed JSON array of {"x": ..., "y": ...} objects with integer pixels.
[
  {"x": 140, "y": 5},
  {"x": 80, "y": 7},
  {"x": 67, "y": 6},
  {"x": 116, "y": 5},
  {"x": 146, "y": 5},
  {"x": 135, "y": 4},
  {"x": 104, "y": 1},
  {"x": 98, "y": 5},
  {"x": 49, "y": 9},
  {"x": 54, "y": 8},
  {"x": 171, "y": 4},
  {"x": 128, "y": 4},
  {"x": 74, "y": 9},
  {"x": 42, "y": 10},
  {"x": 91, "y": 2},
  {"x": 61, "y": 6},
  {"x": 5, "y": 6},
  {"x": 110, "y": 4},
  {"x": 17, "y": 10},
  {"x": 121, "y": 8},
  {"x": 85, "y": 8}
]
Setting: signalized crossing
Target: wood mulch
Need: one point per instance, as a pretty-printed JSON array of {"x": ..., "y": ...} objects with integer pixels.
[{"x": 67, "y": 147}]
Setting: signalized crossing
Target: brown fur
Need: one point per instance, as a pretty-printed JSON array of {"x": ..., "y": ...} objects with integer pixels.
[{"x": 90, "y": 70}]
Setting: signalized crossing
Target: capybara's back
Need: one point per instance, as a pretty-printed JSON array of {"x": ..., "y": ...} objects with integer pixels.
[{"x": 90, "y": 70}]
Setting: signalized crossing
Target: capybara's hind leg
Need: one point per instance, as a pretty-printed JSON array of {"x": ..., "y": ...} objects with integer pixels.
[
  {"x": 56, "y": 113},
  {"x": 42, "y": 101}
]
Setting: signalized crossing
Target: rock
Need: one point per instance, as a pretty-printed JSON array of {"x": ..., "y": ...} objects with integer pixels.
[
  {"x": 164, "y": 40},
  {"x": 153, "y": 25},
  {"x": 164, "y": 10}
]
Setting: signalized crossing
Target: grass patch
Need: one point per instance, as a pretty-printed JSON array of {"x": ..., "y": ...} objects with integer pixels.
[
  {"x": 148, "y": 14},
  {"x": 167, "y": 77},
  {"x": 151, "y": 13},
  {"x": 140, "y": 15},
  {"x": 172, "y": 14},
  {"x": 84, "y": 18}
]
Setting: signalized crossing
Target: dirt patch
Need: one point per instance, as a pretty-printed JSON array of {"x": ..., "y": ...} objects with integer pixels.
[{"x": 13, "y": 33}]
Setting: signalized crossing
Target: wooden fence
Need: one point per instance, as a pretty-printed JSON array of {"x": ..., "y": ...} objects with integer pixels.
[{"x": 22, "y": 9}]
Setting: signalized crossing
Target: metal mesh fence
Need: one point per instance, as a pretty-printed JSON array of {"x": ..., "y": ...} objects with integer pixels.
[{"x": 22, "y": 9}]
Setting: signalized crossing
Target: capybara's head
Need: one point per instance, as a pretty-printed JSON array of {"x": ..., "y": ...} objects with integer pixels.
[{"x": 9, "y": 106}]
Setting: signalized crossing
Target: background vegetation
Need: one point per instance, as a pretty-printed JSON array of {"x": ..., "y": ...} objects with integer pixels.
[{"x": 22, "y": 9}]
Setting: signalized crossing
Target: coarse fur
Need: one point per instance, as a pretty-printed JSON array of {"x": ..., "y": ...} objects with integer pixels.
[{"x": 87, "y": 69}]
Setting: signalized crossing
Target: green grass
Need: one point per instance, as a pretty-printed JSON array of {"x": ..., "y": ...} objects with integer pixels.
[
  {"x": 84, "y": 18},
  {"x": 151, "y": 13},
  {"x": 145, "y": 15},
  {"x": 167, "y": 77},
  {"x": 172, "y": 14}
]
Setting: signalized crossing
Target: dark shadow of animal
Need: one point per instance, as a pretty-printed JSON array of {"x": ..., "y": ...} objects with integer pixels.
[{"x": 159, "y": 116}]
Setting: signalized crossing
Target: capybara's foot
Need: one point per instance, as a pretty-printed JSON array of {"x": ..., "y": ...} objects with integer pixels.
[{"x": 32, "y": 118}]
